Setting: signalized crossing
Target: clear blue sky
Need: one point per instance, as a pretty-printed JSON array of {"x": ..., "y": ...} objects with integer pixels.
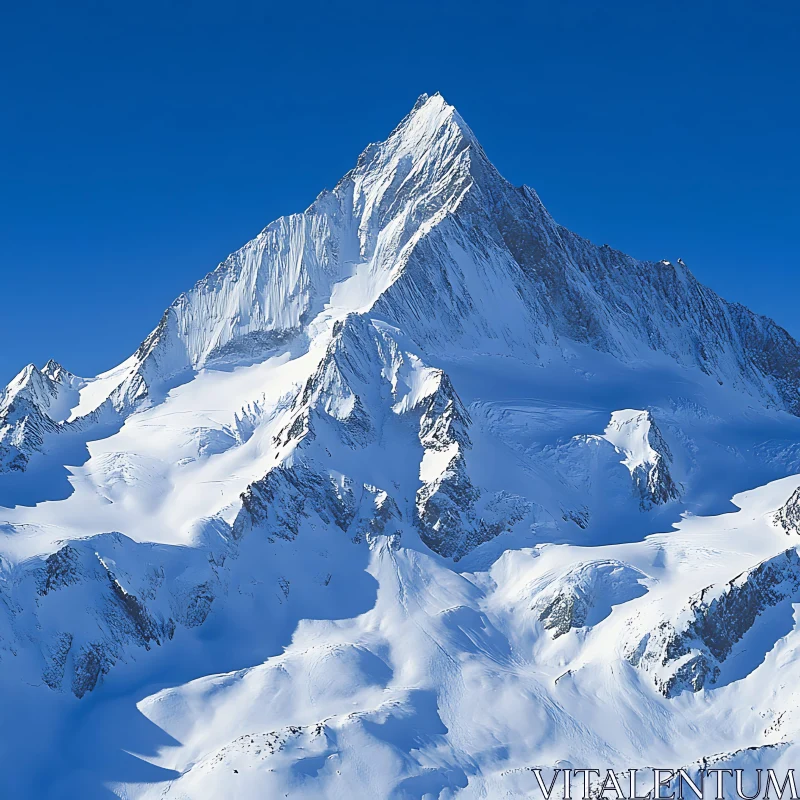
[{"x": 142, "y": 142}]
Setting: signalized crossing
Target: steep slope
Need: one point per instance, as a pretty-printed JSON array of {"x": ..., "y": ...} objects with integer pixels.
[
  {"x": 415, "y": 491},
  {"x": 426, "y": 234},
  {"x": 788, "y": 516},
  {"x": 647, "y": 455},
  {"x": 33, "y": 406}
]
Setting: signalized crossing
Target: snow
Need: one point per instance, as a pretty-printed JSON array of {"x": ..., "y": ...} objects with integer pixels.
[
  {"x": 96, "y": 390},
  {"x": 375, "y": 512},
  {"x": 435, "y": 462},
  {"x": 628, "y": 431},
  {"x": 153, "y": 479}
]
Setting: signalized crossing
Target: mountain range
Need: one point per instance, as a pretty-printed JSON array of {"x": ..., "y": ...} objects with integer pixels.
[{"x": 414, "y": 493}]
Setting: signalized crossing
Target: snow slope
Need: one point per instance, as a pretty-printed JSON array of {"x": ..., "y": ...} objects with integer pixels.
[{"x": 415, "y": 491}]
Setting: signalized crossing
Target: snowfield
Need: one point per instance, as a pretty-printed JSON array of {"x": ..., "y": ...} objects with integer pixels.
[{"x": 416, "y": 492}]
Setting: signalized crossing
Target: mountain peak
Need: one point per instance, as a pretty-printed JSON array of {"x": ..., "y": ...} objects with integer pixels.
[
  {"x": 421, "y": 233},
  {"x": 435, "y": 113},
  {"x": 422, "y": 368},
  {"x": 432, "y": 127},
  {"x": 426, "y": 98},
  {"x": 421, "y": 100},
  {"x": 56, "y": 372}
]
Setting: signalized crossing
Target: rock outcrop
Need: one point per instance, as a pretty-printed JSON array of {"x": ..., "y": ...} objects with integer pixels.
[
  {"x": 687, "y": 653},
  {"x": 788, "y": 516}
]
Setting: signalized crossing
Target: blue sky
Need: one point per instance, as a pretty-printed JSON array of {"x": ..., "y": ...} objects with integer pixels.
[{"x": 143, "y": 142}]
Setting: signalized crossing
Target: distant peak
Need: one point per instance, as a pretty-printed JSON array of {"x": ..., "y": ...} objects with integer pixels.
[
  {"x": 52, "y": 367},
  {"x": 56, "y": 373},
  {"x": 24, "y": 375}
]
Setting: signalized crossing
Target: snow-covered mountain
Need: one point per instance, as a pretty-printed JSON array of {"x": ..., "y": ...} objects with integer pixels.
[{"x": 416, "y": 491}]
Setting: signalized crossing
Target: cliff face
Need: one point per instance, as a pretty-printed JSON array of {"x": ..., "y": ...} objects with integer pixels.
[
  {"x": 687, "y": 653},
  {"x": 72, "y": 616},
  {"x": 788, "y": 516}
]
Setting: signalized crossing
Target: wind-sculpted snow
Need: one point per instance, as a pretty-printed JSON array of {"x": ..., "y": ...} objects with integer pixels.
[{"x": 415, "y": 492}]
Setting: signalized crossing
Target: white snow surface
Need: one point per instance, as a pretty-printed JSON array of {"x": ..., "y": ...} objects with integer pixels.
[{"x": 409, "y": 495}]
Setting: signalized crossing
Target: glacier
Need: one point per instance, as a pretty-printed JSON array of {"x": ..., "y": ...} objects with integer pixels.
[{"x": 414, "y": 493}]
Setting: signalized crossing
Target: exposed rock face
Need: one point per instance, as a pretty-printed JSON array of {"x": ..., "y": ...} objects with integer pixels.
[
  {"x": 647, "y": 456},
  {"x": 788, "y": 516},
  {"x": 687, "y": 653},
  {"x": 453, "y": 517},
  {"x": 363, "y": 381},
  {"x": 447, "y": 497},
  {"x": 279, "y": 502},
  {"x": 91, "y": 616},
  {"x": 24, "y": 421},
  {"x": 345, "y": 388},
  {"x": 585, "y": 594},
  {"x": 599, "y": 476},
  {"x": 378, "y": 515},
  {"x": 656, "y": 485}
]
